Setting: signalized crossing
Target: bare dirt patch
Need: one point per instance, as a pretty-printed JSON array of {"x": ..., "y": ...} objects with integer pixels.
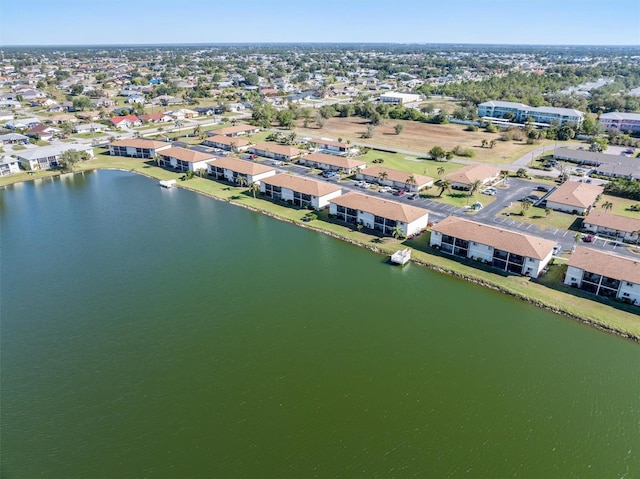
[{"x": 421, "y": 137}]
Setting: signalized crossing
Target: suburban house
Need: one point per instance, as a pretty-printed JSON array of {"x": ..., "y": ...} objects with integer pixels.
[
  {"x": 463, "y": 178},
  {"x": 613, "y": 226},
  {"x": 137, "y": 147},
  {"x": 332, "y": 146},
  {"x": 604, "y": 274},
  {"x": 22, "y": 123},
  {"x": 237, "y": 130},
  {"x": 183, "y": 159},
  {"x": 396, "y": 98},
  {"x": 230, "y": 168},
  {"x": 127, "y": 121},
  {"x": 503, "y": 249},
  {"x": 9, "y": 165},
  {"x": 47, "y": 157},
  {"x": 521, "y": 113},
  {"x": 379, "y": 214},
  {"x": 394, "y": 178},
  {"x": 227, "y": 143},
  {"x": 42, "y": 132},
  {"x": 624, "y": 122},
  {"x": 332, "y": 162},
  {"x": 275, "y": 151},
  {"x": 301, "y": 192},
  {"x": 13, "y": 139},
  {"x": 62, "y": 118},
  {"x": 155, "y": 118},
  {"x": 613, "y": 166},
  {"x": 89, "y": 128},
  {"x": 6, "y": 115},
  {"x": 574, "y": 197},
  {"x": 88, "y": 115}
]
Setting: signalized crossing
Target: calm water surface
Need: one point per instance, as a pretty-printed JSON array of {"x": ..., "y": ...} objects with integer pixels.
[{"x": 162, "y": 334}]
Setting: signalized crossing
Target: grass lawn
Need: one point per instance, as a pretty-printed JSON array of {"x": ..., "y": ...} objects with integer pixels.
[
  {"x": 19, "y": 147},
  {"x": 460, "y": 199},
  {"x": 620, "y": 206},
  {"x": 539, "y": 218},
  {"x": 409, "y": 164}
]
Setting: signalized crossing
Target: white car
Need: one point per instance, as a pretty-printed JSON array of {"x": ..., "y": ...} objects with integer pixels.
[
  {"x": 489, "y": 192},
  {"x": 384, "y": 189}
]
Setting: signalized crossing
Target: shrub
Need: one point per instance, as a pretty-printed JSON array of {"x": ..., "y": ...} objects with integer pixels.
[{"x": 471, "y": 128}]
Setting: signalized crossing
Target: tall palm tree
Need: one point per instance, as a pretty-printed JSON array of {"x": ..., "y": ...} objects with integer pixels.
[
  {"x": 440, "y": 172},
  {"x": 504, "y": 176},
  {"x": 383, "y": 175},
  {"x": 526, "y": 204},
  {"x": 475, "y": 186},
  {"x": 241, "y": 180},
  {"x": 254, "y": 188},
  {"x": 411, "y": 181},
  {"x": 397, "y": 232},
  {"x": 197, "y": 130},
  {"x": 607, "y": 206},
  {"x": 445, "y": 185}
]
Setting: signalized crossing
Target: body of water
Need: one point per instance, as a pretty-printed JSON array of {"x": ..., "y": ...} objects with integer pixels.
[{"x": 162, "y": 334}]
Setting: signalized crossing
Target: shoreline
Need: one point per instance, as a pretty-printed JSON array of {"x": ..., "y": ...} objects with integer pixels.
[{"x": 466, "y": 276}]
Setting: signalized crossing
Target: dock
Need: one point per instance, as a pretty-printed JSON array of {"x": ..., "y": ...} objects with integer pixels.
[
  {"x": 401, "y": 257},
  {"x": 167, "y": 183}
]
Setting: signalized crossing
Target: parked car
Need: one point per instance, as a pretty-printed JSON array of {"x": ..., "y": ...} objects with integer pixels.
[
  {"x": 413, "y": 196},
  {"x": 531, "y": 198},
  {"x": 399, "y": 193},
  {"x": 543, "y": 188},
  {"x": 384, "y": 189},
  {"x": 588, "y": 238},
  {"x": 489, "y": 192},
  {"x": 557, "y": 249}
]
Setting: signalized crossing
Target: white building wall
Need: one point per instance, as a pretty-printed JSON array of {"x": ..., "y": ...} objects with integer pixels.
[
  {"x": 323, "y": 201},
  {"x": 629, "y": 291},
  {"x": 534, "y": 266},
  {"x": 287, "y": 194},
  {"x": 436, "y": 239},
  {"x": 366, "y": 218},
  {"x": 573, "y": 276},
  {"x": 260, "y": 176},
  {"x": 480, "y": 251},
  {"x": 566, "y": 208},
  {"x": 198, "y": 165},
  {"x": 416, "y": 226}
]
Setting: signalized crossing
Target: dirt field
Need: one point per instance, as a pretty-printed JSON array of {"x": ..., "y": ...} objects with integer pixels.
[{"x": 421, "y": 137}]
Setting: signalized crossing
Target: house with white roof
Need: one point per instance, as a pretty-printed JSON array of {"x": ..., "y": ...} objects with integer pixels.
[
  {"x": 299, "y": 191},
  {"x": 9, "y": 165},
  {"x": 137, "y": 147},
  {"x": 625, "y": 122},
  {"x": 46, "y": 157},
  {"x": 521, "y": 112},
  {"x": 505, "y": 250},
  {"x": 604, "y": 274},
  {"x": 379, "y": 214}
]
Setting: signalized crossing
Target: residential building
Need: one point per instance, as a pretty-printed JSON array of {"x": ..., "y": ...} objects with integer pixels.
[
  {"x": 606, "y": 224},
  {"x": 604, "y": 274},
  {"x": 237, "y": 130},
  {"x": 137, "y": 148},
  {"x": 301, "y": 192},
  {"x": 505, "y": 250},
  {"x": 22, "y": 123},
  {"x": 9, "y": 165},
  {"x": 183, "y": 159},
  {"x": 126, "y": 121},
  {"x": 613, "y": 166},
  {"x": 466, "y": 176},
  {"x": 394, "y": 178},
  {"x": 155, "y": 118},
  {"x": 46, "y": 157},
  {"x": 379, "y": 214},
  {"x": 229, "y": 143},
  {"x": 63, "y": 118},
  {"x": 230, "y": 168},
  {"x": 399, "y": 98},
  {"x": 13, "y": 139},
  {"x": 625, "y": 122},
  {"x": 333, "y": 146},
  {"x": 276, "y": 151},
  {"x": 521, "y": 113},
  {"x": 89, "y": 128},
  {"x": 324, "y": 161},
  {"x": 42, "y": 132},
  {"x": 574, "y": 197}
]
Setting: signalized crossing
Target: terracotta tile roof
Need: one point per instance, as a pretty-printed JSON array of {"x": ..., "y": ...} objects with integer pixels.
[
  {"x": 190, "y": 156},
  {"x": 377, "y": 206},
  {"x": 243, "y": 167},
  {"x": 140, "y": 143},
  {"x": 505, "y": 240},
  {"x": 227, "y": 140},
  {"x": 152, "y": 116},
  {"x": 302, "y": 185},
  {"x": 396, "y": 175},
  {"x": 230, "y": 130},
  {"x": 574, "y": 193},
  {"x": 318, "y": 141},
  {"x": 119, "y": 119},
  {"x": 277, "y": 149},
  {"x": 471, "y": 173},
  {"x": 606, "y": 264},
  {"x": 611, "y": 221},
  {"x": 333, "y": 160}
]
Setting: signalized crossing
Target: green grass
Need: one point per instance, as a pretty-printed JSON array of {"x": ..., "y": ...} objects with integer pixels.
[
  {"x": 620, "y": 206},
  {"x": 538, "y": 217},
  {"x": 19, "y": 147},
  {"x": 410, "y": 164},
  {"x": 548, "y": 290}
]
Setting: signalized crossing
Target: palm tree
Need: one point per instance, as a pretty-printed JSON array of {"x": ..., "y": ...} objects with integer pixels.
[
  {"x": 197, "y": 130},
  {"x": 504, "y": 176},
  {"x": 254, "y": 188},
  {"x": 241, "y": 180},
  {"x": 526, "y": 204},
  {"x": 547, "y": 212},
  {"x": 397, "y": 232},
  {"x": 291, "y": 138},
  {"x": 607, "y": 206},
  {"x": 440, "y": 172},
  {"x": 411, "y": 181},
  {"x": 483, "y": 143},
  {"x": 445, "y": 185},
  {"x": 475, "y": 186},
  {"x": 383, "y": 175}
]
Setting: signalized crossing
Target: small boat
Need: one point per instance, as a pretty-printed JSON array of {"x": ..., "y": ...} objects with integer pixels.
[
  {"x": 167, "y": 183},
  {"x": 401, "y": 257}
]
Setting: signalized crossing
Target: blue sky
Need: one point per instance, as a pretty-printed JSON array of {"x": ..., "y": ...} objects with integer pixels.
[{"x": 81, "y": 22}]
